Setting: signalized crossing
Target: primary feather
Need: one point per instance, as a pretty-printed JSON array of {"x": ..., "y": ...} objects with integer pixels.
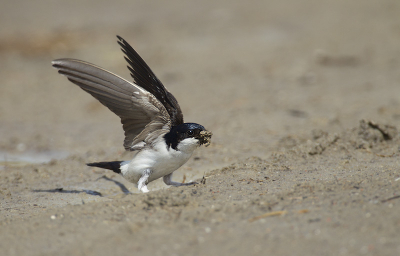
[{"x": 145, "y": 78}]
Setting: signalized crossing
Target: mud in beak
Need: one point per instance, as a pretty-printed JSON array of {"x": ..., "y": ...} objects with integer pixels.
[{"x": 205, "y": 138}]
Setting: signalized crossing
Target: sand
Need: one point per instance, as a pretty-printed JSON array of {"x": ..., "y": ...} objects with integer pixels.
[{"x": 302, "y": 98}]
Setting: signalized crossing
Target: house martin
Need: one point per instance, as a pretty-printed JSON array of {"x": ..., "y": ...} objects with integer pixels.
[{"x": 150, "y": 116}]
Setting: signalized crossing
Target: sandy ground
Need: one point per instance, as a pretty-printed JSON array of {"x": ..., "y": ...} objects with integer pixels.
[{"x": 303, "y": 98}]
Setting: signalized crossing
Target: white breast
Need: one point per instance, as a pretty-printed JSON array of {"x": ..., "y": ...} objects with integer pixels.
[{"x": 161, "y": 160}]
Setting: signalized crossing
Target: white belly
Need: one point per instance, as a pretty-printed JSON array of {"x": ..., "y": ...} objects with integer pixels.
[{"x": 160, "y": 161}]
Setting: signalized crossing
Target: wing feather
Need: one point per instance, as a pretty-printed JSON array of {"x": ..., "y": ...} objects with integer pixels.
[
  {"x": 145, "y": 78},
  {"x": 142, "y": 115}
]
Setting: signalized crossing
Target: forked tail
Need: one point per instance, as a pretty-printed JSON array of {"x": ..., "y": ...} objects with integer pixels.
[{"x": 114, "y": 166}]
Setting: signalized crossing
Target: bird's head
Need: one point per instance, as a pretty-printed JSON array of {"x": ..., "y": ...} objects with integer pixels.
[{"x": 187, "y": 136}]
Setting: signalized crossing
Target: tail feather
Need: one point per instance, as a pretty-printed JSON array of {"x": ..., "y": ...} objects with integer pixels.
[{"x": 114, "y": 166}]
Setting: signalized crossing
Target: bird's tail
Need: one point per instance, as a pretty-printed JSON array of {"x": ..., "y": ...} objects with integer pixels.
[{"x": 114, "y": 166}]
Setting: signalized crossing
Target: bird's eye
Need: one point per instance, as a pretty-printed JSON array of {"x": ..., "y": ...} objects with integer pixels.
[{"x": 190, "y": 133}]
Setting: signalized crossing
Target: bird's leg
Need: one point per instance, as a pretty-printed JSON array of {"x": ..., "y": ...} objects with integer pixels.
[
  {"x": 168, "y": 180},
  {"x": 143, "y": 180}
]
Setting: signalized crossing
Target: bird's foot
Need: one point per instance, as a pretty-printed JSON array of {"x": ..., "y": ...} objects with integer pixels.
[
  {"x": 144, "y": 189},
  {"x": 168, "y": 181}
]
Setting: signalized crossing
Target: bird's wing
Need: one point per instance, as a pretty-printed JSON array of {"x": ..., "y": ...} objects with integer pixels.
[
  {"x": 142, "y": 115},
  {"x": 145, "y": 78}
]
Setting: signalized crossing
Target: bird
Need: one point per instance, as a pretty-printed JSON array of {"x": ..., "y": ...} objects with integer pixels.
[{"x": 150, "y": 115}]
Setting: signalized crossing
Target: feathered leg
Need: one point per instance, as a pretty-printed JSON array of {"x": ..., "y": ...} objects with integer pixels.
[{"x": 143, "y": 180}]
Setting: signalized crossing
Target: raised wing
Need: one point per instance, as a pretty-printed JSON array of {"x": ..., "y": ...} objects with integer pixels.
[
  {"x": 142, "y": 115},
  {"x": 145, "y": 78}
]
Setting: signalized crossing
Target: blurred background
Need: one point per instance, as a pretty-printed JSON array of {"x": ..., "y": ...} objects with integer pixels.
[{"x": 254, "y": 72}]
